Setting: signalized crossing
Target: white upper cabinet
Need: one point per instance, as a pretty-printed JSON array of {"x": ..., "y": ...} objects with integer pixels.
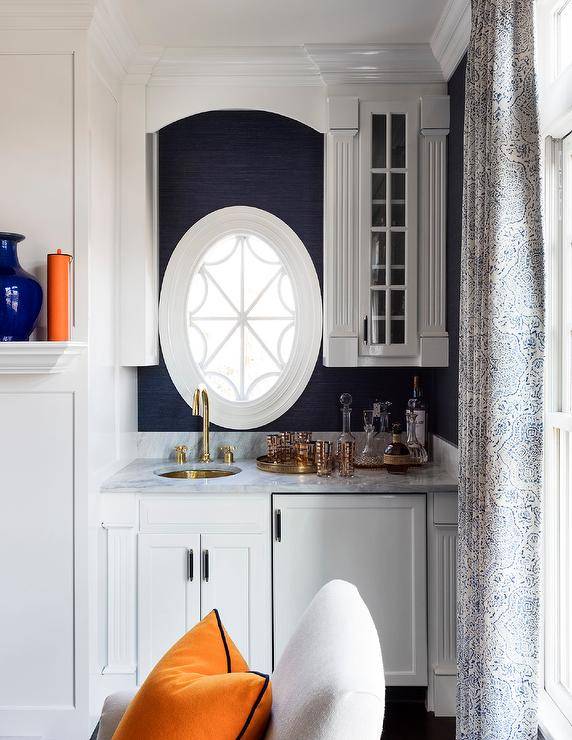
[{"x": 385, "y": 219}]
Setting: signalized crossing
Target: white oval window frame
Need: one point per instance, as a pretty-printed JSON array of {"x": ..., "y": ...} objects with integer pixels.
[{"x": 173, "y": 319}]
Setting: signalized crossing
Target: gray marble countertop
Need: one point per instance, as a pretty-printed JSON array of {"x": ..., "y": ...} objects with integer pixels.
[{"x": 139, "y": 477}]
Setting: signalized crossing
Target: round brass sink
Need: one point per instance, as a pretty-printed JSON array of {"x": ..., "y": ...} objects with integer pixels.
[{"x": 198, "y": 473}]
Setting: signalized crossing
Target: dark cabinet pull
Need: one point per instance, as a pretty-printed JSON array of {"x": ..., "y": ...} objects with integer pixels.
[
  {"x": 365, "y": 329},
  {"x": 206, "y": 565},
  {"x": 190, "y": 565},
  {"x": 278, "y": 525}
]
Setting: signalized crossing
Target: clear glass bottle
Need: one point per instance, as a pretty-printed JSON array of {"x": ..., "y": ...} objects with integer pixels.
[
  {"x": 396, "y": 457},
  {"x": 416, "y": 450},
  {"x": 346, "y": 435},
  {"x": 418, "y": 404},
  {"x": 370, "y": 456},
  {"x": 384, "y": 434}
]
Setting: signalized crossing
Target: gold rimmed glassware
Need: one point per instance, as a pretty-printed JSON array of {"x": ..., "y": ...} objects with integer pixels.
[{"x": 347, "y": 451}]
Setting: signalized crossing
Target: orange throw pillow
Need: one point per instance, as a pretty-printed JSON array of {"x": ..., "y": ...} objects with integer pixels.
[{"x": 201, "y": 689}]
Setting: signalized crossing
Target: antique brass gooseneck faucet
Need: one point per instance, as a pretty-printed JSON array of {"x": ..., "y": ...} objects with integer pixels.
[{"x": 199, "y": 395}]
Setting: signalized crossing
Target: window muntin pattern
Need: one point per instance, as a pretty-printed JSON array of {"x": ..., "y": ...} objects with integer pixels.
[{"x": 241, "y": 317}]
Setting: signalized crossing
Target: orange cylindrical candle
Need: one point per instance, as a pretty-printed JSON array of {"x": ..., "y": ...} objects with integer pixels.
[{"x": 58, "y": 297}]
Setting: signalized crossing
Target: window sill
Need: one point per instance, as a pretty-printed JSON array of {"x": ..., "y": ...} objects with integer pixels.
[{"x": 553, "y": 724}]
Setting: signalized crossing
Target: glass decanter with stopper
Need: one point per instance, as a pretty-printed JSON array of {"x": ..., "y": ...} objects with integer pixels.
[
  {"x": 416, "y": 450},
  {"x": 346, "y": 435},
  {"x": 370, "y": 456}
]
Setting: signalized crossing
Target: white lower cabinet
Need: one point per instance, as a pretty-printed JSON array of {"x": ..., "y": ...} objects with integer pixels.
[
  {"x": 237, "y": 585},
  {"x": 199, "y": 552},
  {"x": 169, "y": 593},
  {"x": 376, "y": 542},
  {"x": 195, "y": 555}
]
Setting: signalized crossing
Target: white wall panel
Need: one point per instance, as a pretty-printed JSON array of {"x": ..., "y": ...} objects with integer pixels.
[{"x": 36, "y": 550}]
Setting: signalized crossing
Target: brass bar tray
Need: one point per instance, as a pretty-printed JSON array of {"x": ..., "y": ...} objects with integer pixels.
[{"x": 267, "y": 465}]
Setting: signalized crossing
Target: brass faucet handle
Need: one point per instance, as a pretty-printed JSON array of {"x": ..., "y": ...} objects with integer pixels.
[
  {"x": 228, "y": 452},
  {"x": 181, "y": 451}
]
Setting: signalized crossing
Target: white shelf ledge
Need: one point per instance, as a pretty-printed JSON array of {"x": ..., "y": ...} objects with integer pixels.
[{"x": 34, "y": 358}]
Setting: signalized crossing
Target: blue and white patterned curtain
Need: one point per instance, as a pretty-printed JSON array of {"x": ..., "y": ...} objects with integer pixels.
[{"x": 500, "y": 381}]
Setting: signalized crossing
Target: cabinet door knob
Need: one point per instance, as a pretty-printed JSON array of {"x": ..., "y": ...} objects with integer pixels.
[
  {"x": 190, "y": 565},
  {"x": 206, "y": 565},
  {"x": 365, "y": 329},
  {"x": 278, "y": 525}
]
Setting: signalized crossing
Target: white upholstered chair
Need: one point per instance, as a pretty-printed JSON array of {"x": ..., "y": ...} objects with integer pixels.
[{"x": 329, "y": 682}]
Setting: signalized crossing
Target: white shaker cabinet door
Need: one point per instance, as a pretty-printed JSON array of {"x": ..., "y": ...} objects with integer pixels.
[
  {"x": 236, "y": 581},
  {"x": 169, "y": 593},
  {"x": 376, "y": 542}
]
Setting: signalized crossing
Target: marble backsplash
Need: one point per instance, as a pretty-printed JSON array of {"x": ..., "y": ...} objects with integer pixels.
[{"x": 248, "y": 445}]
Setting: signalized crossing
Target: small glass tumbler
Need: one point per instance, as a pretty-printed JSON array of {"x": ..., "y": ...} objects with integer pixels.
[
  {"x": 305, "y": 452},
  {"x": 324, "y": 457},
  {"x": 347, "y": 451},
  {"x": 273, "y": 443},
  {"x": 285, "y": 453}
]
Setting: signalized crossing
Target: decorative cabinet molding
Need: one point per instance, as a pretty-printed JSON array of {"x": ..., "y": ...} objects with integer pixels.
[
  {"x": 385, "y": 233},
  {"x": 341, "y": 235},
  {"x": 442, "y": 593},
  {"x": 121, "y": 569},
  {"x": 434, "y": 341}
]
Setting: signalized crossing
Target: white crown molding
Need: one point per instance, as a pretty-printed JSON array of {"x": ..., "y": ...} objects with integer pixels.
[
  {"x": 110, "y": 33},
  {"x": 49, "y": 15},
  {"x": 375, "y": 64},
  {"x": 313, "y": 65},
  {"x": 242, "y": 65},
  {"x": 450, "y": 39}
]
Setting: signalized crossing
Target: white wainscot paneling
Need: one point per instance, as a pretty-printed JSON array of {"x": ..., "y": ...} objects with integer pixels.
[
  {"x": 36, "y": 131},
  {"x": 36, "y": 552}
]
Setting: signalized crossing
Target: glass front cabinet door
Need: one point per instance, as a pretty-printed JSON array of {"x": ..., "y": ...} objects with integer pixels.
[
  {"x": 385, "y": 232},
  {"x": 388, "y": 229}
]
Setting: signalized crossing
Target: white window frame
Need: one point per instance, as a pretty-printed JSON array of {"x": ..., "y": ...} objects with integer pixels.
[
  {"x": 555, "y": 85},
  {"x": 556, "y": 699},
  {"x": 173, "y": 315}
]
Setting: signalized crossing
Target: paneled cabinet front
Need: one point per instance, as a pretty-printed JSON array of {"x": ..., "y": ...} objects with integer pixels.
[
  {"x": 170, "y": 560},
  {"x": 385, "y": 219},
  {"x": 169, "y": 593},
  {"x": 182, "y": 577},
  {"x": 376, "y": 542}
]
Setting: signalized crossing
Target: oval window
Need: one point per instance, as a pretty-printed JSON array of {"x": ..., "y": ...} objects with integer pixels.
[{"x": 240, "y": 313}]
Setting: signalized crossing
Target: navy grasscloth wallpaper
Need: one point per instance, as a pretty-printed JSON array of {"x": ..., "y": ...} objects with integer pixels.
[
  {"x": 226, "y": 158},
  {"x": 445, "y": 413}
]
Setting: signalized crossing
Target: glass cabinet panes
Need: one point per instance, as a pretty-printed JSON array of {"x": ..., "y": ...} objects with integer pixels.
[
  {"x": 379, "y": 141},
  {"x": 378, "y": 258},
  {"x": 397, "y": 324},
  {"x": 398, "y": 199},
  {"x": 378, "y": 199},
  {"x": 388, "y": 229},
  {"x": 397, "y": 140},
  {"x": 378, "y": 305}
]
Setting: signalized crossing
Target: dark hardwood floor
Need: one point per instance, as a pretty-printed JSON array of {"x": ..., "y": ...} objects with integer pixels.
[
  {"x": 410, "y": 721},
  {"x": 407, "y": 719}
]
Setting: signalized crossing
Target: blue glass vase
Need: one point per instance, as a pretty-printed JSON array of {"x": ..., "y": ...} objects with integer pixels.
[{"x": 20, "y": 293}]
